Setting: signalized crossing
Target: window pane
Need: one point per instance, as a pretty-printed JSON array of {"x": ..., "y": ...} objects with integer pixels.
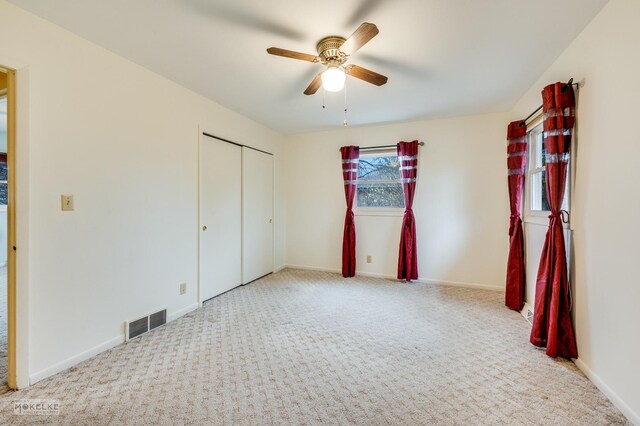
[
  {"x": 536, "y": 184},
  {"x": 388, "y": 195},
  {"x": 378, "y": 168},
  {"x": 3, "y": 171},
  {"x": 3, "y": 194},
  {"x": 544, "y": 201},
  {"x": 539, "y": 200},
  {"x": 541, "y": 159}
]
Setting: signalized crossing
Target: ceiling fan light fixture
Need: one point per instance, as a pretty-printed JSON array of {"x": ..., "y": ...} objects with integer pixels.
[{"x": 333, "y": 79}]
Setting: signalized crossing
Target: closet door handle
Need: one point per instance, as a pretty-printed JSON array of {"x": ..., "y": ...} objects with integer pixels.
[
  {"x": 204, "y": 228},
  {"x": 270, "y": 220}
]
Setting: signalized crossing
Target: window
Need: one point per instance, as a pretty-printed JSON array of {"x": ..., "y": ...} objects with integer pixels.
[
  {"x": 537, "y": 176},
  {"x": 3, "y": 185},
  {"x": 537, "y": 173},
  {"x": 379, "y": 183},
  {"x": 3, "y": 155}
]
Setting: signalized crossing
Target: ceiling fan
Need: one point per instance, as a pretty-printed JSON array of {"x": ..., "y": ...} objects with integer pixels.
[{"x": 334, "y": 52}]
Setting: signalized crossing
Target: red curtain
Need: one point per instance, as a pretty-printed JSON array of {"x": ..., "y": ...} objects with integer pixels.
[
  {"x": 350, "y": 155},
  {"x": 552, "y": 326},
  {"x": 516, "y": 167},
  {"x": 408, "y": 257}
]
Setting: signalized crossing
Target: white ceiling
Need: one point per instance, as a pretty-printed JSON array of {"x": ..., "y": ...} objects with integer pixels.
[{"x": 442, "y": 57}]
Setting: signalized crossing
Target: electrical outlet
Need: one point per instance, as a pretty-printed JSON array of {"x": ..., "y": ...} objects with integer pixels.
[
  {"x": 183, "y": 288},
  {"x": 369, "y": 259},
  {"x": 67, "y": 202}
]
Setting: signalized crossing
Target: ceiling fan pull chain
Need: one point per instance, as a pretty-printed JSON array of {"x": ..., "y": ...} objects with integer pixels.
[
  {"x": 345, "y": 122},
  {"x": 323, "y": 103}
]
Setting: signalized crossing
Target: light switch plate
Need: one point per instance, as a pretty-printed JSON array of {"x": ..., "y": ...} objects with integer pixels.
[{"x": 67, "y": 202}]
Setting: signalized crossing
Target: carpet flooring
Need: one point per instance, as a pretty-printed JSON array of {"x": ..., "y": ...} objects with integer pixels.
[{"x": 307, "y": 348}]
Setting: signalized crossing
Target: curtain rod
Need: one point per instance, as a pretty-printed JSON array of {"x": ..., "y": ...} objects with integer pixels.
[
  {"x": 365, "y": 148},
  {"x": 569, "y": 83}
]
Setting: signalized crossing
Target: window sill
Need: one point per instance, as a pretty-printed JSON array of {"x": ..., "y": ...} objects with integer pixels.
[
  {"x": 537, "y": 218},
  {"x": 540, "y": 218},
  {"x": 378, "y": 212}
]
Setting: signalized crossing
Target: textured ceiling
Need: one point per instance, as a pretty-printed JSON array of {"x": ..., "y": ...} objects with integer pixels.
[{"x": 442, "y": 57}]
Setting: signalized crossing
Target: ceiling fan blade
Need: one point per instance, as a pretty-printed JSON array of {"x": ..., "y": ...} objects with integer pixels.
[
  {"x": 365, "y": 9},
  {"x": 315, "y": 85},
  {"x": 293, "y": 55},
  {"x": 366, "y": 75},
  {"x": 359, "y": 38}
]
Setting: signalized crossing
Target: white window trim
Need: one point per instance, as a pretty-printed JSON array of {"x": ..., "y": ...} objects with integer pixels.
[
  {"x": 378, "y": 211},
  {"x": 539, "y": 217}
]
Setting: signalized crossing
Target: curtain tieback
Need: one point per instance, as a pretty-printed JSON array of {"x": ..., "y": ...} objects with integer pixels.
[
  {"x": 562, "y": 214},
  {"x": 512, "y": 223},
  {"x": 408, "y": 218}
]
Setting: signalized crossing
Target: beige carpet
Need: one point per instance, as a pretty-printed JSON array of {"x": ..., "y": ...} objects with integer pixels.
[{"x": 312, "y": 348}]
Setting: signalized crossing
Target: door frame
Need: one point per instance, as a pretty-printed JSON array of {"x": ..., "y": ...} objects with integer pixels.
[{"x": 11, "y": 226}]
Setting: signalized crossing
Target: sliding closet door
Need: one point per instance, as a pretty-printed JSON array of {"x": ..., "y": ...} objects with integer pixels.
[
  {"x": 220, "y": 217},
  {"x": 257, "y": 214}
]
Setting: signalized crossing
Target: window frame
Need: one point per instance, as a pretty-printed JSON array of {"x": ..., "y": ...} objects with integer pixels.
[
  {"x": 3, "y": 207},
  {"x": 540, "y": 217},
  {"x": 378, "y": 211},
  {"x": 531, "y": 215}
]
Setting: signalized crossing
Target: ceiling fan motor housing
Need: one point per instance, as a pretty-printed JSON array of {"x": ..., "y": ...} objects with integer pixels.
[
  {"x": 329, "y": 49},
  {"x": 333, "y": 53}
]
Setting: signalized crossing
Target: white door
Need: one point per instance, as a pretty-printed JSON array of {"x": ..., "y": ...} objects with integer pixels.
[
  {"x": 220, "y": 217},
  {"x": 257, "y": 214}
]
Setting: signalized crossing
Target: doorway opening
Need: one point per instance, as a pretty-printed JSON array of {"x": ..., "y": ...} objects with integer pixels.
[{"x": 7, "y": 230}]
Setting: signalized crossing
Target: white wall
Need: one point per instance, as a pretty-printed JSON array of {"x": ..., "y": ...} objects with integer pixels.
[
  {"x": 461, "y": 203},
  {"x": 606, "y": 200},
  {"x": 124, "y": 142}
]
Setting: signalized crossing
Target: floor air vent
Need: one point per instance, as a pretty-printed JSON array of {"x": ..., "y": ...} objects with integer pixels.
[
  {"x": 137, "y": 327},
  {"x": 142, "y": 325},
  {"x": 529, "y": 316},
  {"x": 157, "y": 319}
]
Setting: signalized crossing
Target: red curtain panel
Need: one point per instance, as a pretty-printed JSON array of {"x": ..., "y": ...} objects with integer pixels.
[
  {"x": 516, "y": 167},
  {"x": 552, "y": 326},
  {"x": 408, "y": 257},
  {"x": 350, "y": 155}
]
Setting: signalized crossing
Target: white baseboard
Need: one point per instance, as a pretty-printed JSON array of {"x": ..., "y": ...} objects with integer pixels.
[
  {"x": 76, "y": 359},
  {"x": 462, "y": 284},
  {"x": 279, "y": 268},
  {"x": 609, "y": 393},
  {"x": 313, "y": 268},
  {"x": 339, "y": 271},
  {"x": 83, "y": 356},
  {"x": 393, "y": 277},
  {"x": 376, "y": 275},
  {"x": 181, "y": 312}
]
